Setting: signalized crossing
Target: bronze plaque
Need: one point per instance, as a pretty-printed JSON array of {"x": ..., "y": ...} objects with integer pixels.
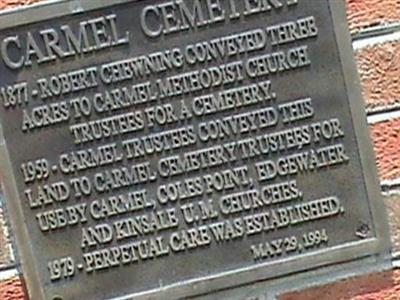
[{"x": 170, "y": 149}]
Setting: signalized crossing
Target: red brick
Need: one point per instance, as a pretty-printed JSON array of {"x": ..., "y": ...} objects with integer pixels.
[
  {"x": 380, "y": 78},
  {"x": 379, "y": 69},
  {"x": 14, "y": 3},
  {"x": 366, "y": 13},
  {"x": 386, "y": 139},
  {"x": 12, "y": 289},
  {"x": 378, "y": 286},
  {"x": 388, "y": 294}
]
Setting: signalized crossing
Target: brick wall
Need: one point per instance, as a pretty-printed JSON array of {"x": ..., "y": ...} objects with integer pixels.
[{"x": 375, "y": 25}]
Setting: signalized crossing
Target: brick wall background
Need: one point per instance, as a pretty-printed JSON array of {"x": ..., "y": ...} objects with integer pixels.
[{"x": 375, "y": 27}]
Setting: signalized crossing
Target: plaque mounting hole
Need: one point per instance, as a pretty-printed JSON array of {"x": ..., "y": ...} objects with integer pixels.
[
  {"x": 363, "y": 231},
  {"x": 57, "y": 298}
]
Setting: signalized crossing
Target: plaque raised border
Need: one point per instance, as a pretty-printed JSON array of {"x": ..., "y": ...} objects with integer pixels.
[{"x": 377, "y": 248}]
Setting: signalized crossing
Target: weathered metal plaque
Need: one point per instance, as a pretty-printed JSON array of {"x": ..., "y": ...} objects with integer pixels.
[{"x": 169, "y": 149}]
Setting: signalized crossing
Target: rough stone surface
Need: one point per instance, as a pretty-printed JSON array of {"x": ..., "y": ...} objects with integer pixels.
[
  {"x": 5, "y": 255},
  {"x": 379, "y": 69},
  {"x": 386, "y": 139},
  {"x": 393, "y": 208},
  {"x": 366, "y": 13}
]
